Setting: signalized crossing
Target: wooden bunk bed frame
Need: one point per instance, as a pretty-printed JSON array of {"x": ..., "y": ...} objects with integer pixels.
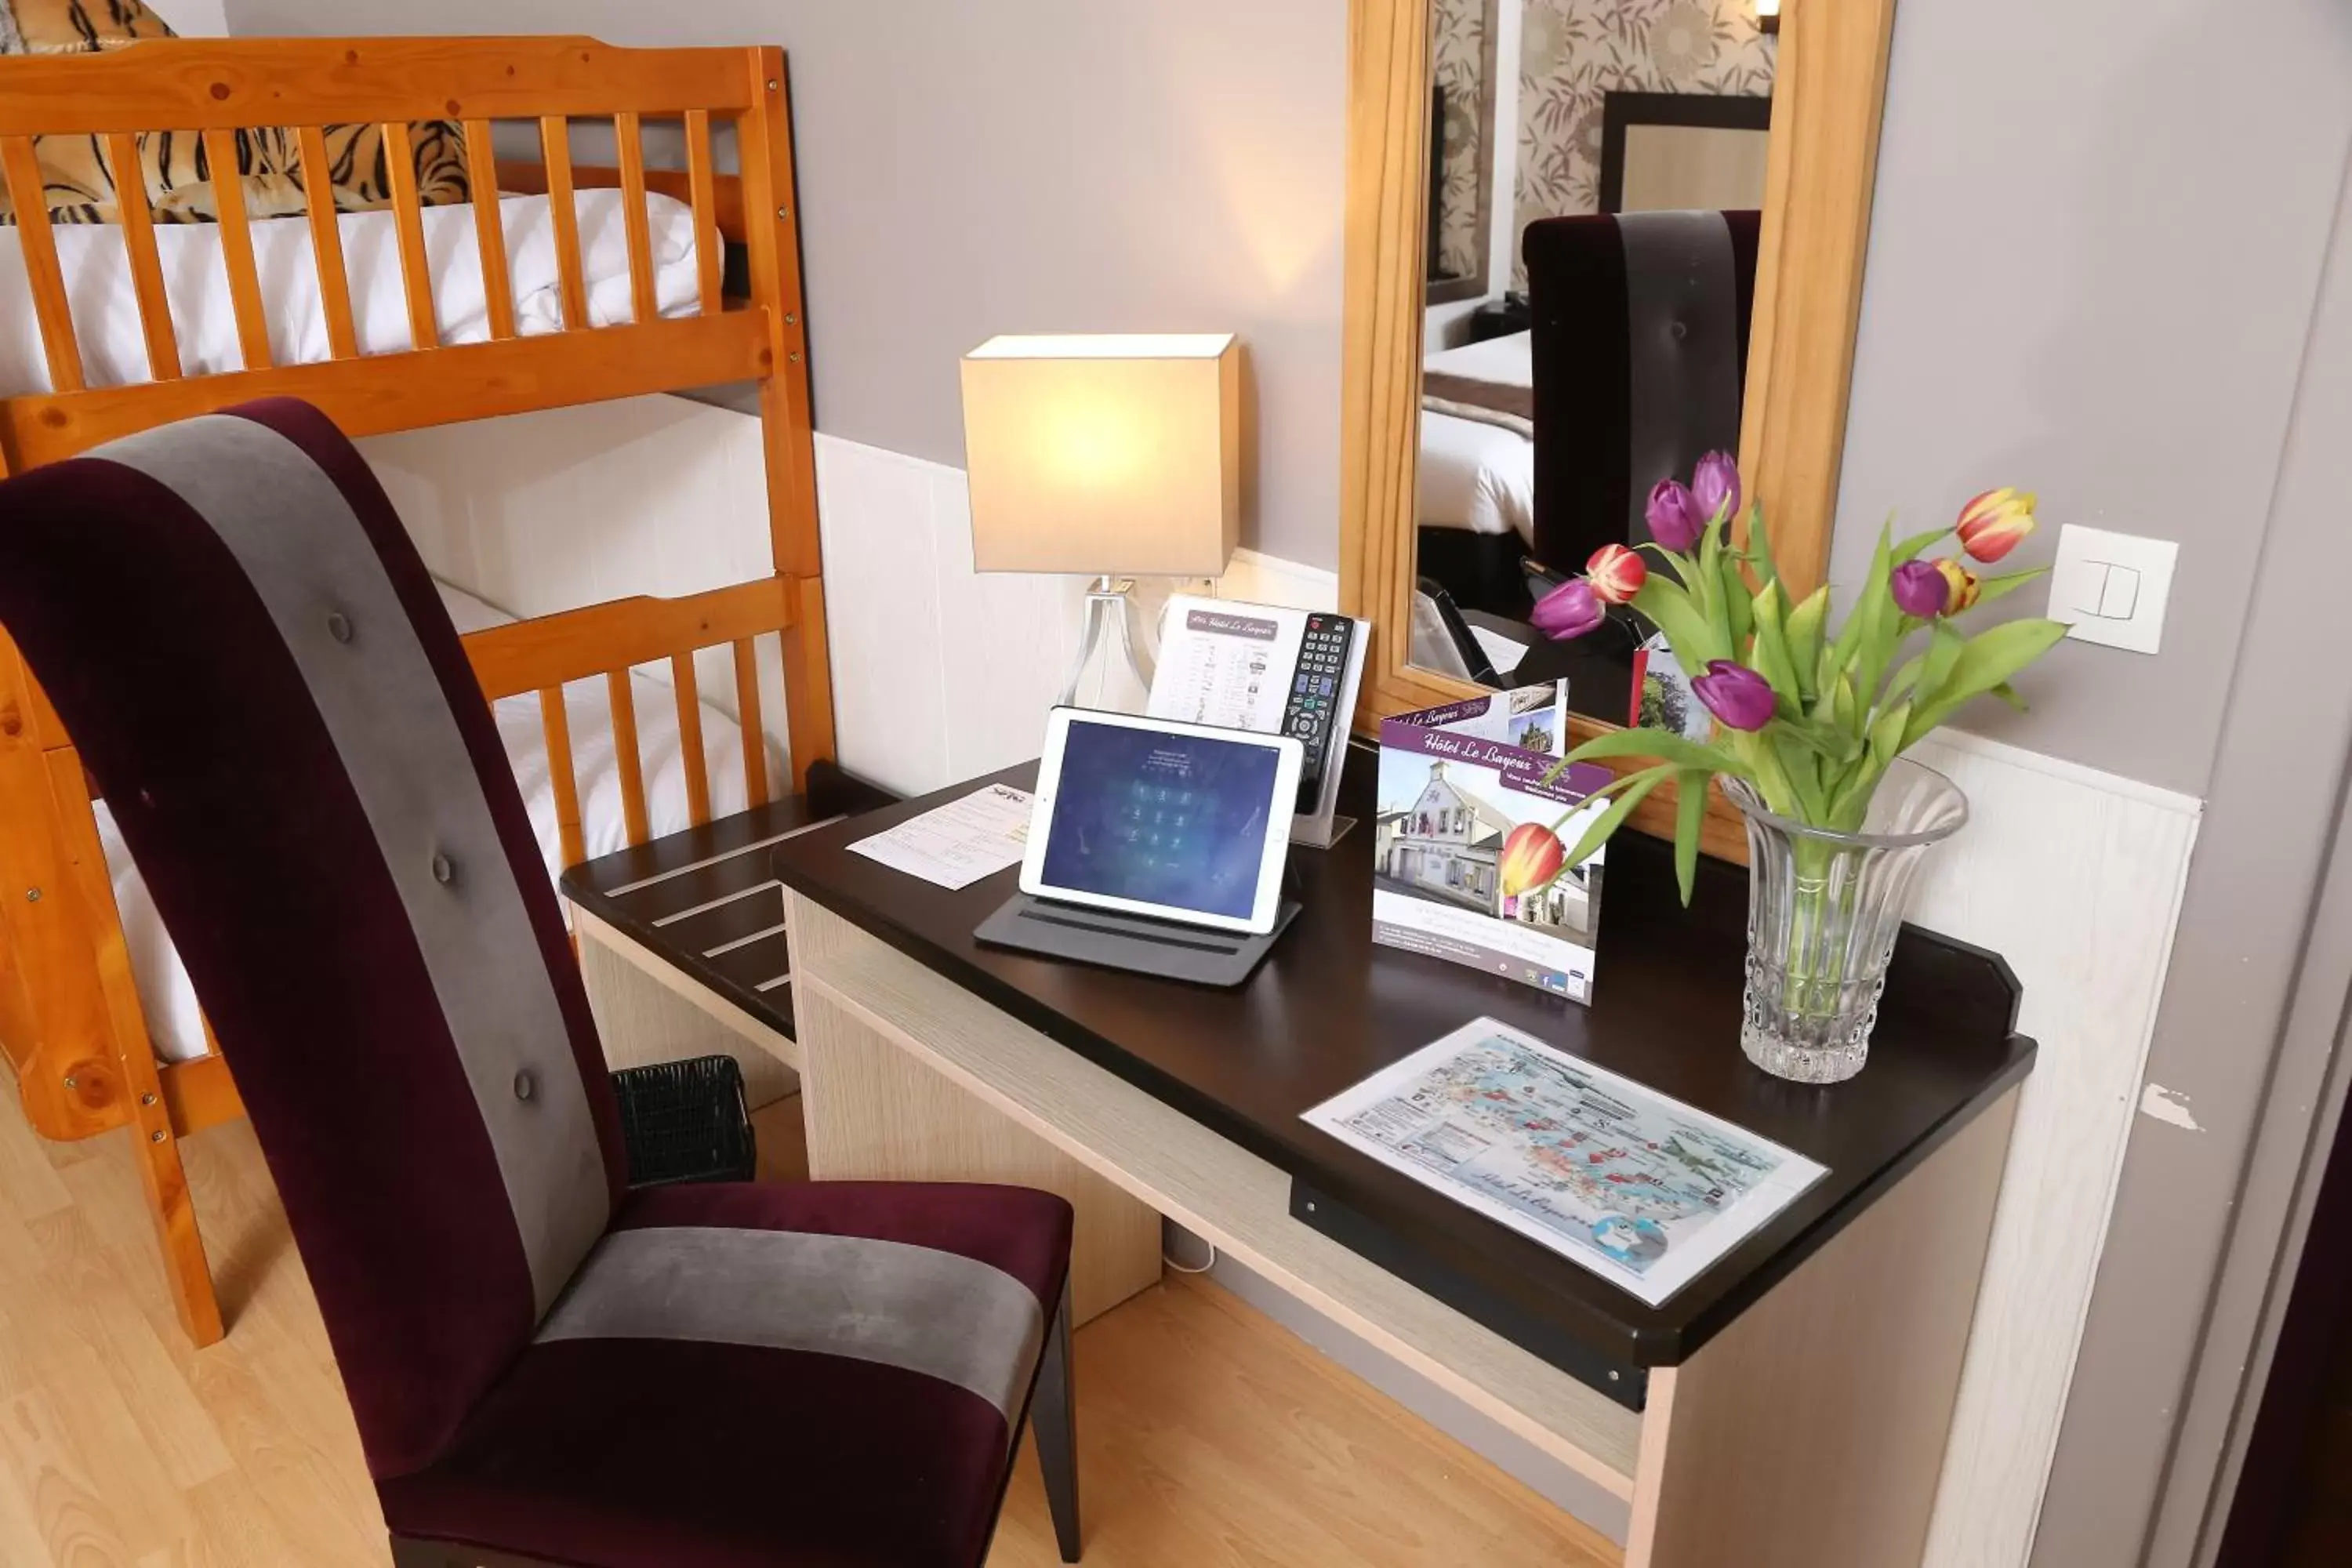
[{"x": 71, "y": 1025}]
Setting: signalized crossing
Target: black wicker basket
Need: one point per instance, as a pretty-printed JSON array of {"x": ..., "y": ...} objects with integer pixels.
[{"x": 685, "y": 1121}]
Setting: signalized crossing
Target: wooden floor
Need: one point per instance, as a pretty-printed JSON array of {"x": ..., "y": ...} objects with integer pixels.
[{"x": 1209, "y": 1436}]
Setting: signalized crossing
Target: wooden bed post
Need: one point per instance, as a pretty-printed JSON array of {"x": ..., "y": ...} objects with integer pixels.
[
  {"x": 764, "y": 140},
  {"x": 64, "y": 943}
]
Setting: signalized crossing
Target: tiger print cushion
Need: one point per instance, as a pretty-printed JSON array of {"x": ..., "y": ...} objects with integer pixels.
[{"x": 179, "y": 171}]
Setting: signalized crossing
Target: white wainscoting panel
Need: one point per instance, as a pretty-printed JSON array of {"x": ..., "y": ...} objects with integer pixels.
[
  {"x": 942, "y": 673},
  {"x": 2076, "y": 878}
]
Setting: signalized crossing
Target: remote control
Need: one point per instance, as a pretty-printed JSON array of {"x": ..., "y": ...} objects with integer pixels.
[{"x": 1314, "y": 692}]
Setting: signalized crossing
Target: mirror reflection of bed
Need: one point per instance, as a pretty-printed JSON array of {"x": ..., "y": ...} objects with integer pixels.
[{"x": 1597, "y": 171}]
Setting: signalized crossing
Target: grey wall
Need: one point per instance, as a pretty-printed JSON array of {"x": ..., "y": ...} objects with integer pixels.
[
  {"x": 2245, "y": 992},
  {"x": 1030, "y": 165},
  {"x": 2098, "y": 232}
]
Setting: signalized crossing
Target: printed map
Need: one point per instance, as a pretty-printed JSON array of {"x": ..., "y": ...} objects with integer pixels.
[{"x": 1641, "y": 1188}]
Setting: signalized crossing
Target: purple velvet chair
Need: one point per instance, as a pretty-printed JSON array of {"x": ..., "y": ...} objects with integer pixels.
[{"x": 544, "y": 1368}]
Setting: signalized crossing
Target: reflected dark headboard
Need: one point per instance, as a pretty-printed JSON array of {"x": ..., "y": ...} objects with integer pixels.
[{"x": 1640, "y": 359}]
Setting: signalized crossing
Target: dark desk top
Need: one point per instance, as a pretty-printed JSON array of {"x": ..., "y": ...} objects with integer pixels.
[
  {"x": 1328, "y": 1008},
  {"x": 703, "y": 899}
]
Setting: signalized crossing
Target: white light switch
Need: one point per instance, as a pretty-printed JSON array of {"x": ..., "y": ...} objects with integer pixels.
[{"x": 2112, "y": 588}]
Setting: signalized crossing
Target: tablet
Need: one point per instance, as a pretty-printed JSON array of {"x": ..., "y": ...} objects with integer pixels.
[{"x": 1182, "y": 821}]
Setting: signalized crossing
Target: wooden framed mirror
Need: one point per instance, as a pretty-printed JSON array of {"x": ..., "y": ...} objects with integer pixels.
[{"x": 1588, "y": 412}]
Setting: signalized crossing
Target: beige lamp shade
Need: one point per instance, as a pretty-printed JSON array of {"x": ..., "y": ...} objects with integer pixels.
[{"x": 1114, "y": 454}]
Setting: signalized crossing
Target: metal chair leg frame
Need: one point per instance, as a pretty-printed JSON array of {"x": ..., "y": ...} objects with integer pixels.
[{"x": 1054, "y": 1418}]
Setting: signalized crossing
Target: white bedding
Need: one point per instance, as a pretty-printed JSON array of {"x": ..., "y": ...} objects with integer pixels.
[
  {"x": 195, "y": 282},
  {"x": 169, "y": 1001},
  {"x": 1507, "y": 362},
  {"x": 1475, "y": 475}
]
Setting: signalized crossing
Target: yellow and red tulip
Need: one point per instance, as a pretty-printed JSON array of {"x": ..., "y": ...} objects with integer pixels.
[
  {"x": 1992, "y": 524},
  {"x": 1964, "y": 585},
  {"x": 1616, "y": 575},
  {"x": 1530, "y": 859}
]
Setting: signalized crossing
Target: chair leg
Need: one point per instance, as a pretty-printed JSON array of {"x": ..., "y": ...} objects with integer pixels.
[{"x": 1053, "y": 1419}]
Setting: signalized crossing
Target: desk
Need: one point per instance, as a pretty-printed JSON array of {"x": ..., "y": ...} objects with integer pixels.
[{"x": 1798, "y": 1393}]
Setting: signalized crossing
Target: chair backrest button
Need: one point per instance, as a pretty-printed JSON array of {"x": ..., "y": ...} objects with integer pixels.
[
  {"x": 339, "y": 627},
  {"x": 525, "y": 1086},
  {"x": 444, "y": 872}
]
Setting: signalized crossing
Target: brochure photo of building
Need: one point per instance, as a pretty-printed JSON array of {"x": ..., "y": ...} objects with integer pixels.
[{"x": 1439, "y": 836}]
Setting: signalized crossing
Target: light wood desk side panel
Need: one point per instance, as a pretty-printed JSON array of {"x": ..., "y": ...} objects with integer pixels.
[
  {"x": 875, "y": 1113},
  {"x": 1810, "y": 1433},
  {"x": 648, "y": 1011},
  {"x": 1180, "y": 1168}
]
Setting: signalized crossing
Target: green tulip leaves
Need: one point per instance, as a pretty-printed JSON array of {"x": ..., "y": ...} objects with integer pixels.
[{"x": 1844, "y": 708}]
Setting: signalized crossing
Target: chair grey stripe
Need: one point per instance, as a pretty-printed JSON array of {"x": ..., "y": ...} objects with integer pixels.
[
  {"x": 311, "y": 560},
  {"x": 917, "y": 1308},
  {"x": 1682, "y": 332}
]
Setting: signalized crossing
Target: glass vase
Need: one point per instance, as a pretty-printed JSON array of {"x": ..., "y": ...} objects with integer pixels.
[{"x": 1823, "y": 910}]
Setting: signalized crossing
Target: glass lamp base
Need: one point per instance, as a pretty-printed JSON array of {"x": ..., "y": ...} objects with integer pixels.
[{"x": 1111, "y": 633}]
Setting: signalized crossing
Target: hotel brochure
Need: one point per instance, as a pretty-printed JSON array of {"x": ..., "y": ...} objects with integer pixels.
[
  {"x": 1639, "y": 1188},
  {"x": 1467, "y": 839}
]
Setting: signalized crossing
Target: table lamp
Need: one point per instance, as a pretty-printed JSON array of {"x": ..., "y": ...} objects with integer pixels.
[{"x": 1114, "y": 455}]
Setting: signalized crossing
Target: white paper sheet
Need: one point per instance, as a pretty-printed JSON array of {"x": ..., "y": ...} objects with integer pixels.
[{"x": 957, "y": 844}]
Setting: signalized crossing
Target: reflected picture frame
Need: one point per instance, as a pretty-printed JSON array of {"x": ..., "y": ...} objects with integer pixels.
[{"x": 1623, "y": 112}]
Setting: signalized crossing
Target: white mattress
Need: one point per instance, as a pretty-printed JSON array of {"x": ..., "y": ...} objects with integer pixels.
[
  {"x": 169, "y": 1001},
  {"x": 196, "y": 280},
  {"x": 1475, "y": 475}
]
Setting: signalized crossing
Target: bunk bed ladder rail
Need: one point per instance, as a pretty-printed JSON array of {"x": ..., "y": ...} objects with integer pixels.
[{"x": 607, "y": 642}]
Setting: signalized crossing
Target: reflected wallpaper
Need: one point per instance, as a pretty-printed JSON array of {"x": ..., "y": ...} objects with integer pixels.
[
  {"x": 1458, "y": 48},
  {"x": 1574, "y": 51}
]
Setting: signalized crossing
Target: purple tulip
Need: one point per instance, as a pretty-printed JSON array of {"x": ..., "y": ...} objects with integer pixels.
[
  {"x": 1569, "y": 610},
  {"x": 1919, "y": 589},
  {"x": 1675, "y": 519},
  {"x": 1715, "y": 485},
  {"x": 1735, "y": 694}
]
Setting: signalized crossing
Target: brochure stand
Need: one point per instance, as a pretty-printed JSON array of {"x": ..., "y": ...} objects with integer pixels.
[
  {"x": 1231, "y": 662},
  {"x": 1319, "y": 829}
]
